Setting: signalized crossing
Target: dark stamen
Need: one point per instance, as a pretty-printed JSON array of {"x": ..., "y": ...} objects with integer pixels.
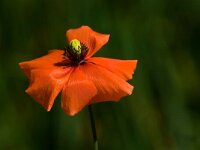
[{"x": 75, "y": 58}]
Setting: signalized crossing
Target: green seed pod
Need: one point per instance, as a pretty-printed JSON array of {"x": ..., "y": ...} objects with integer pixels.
[{"x": 75, "y": 46}]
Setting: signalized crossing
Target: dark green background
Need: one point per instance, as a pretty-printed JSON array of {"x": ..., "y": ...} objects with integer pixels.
[{"x": 164, "y": 111}]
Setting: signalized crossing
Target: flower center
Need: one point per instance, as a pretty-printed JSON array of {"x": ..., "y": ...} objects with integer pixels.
[
  {"x": 75, "y": 46},
  {"x": 76, "y": 52}
]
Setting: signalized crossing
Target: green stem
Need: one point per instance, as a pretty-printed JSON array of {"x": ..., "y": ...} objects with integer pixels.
[{"x": 92, "y": 121}]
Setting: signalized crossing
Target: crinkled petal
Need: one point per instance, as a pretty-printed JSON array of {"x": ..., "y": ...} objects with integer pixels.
[
  {"x": 123, "y": 68},
  {"x": 110, "y": 87},
  {"x": 45, "y": 85},
  {"x": 77, "y": 93},
  {"x": 45, "y": 62},
  {"x": 93, "y": 40},
  {"x": 47, "y": 77}
]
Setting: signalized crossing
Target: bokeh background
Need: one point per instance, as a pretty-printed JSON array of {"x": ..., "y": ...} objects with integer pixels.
[{"x": 164, "y": 111}]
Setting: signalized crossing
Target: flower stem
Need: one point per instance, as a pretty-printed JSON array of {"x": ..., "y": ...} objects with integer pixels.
[{"x": 92, "y": 121}]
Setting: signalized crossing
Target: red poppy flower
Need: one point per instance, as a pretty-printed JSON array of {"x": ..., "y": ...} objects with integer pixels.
[{"x": 81, "y": 79}]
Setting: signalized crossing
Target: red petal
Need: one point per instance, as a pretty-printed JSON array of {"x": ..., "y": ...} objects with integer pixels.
[
  {"x": 93, "y": 40},
  {"x": 46, "y": 77},
  {"x": 77, "y": 93},
  {"x": 110, "y": 87},
  {"x": 123, "y": 68},
  {"x": 45, "y": 85},
  {"x": 44, "y": 62}
]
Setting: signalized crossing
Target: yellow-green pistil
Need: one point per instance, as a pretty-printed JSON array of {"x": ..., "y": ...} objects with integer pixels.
[
  {"x": 76, "y": 52},
  {"x": 75, "y": 46}
]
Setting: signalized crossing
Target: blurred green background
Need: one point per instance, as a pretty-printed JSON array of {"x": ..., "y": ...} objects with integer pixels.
[{"x": 164, "y": 111}]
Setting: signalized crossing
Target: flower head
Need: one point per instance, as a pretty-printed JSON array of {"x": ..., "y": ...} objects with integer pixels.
[{"x": 80, "y": 78}]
